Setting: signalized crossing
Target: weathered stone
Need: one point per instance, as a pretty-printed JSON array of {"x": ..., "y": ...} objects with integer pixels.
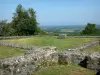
[
  {"x": 84, "y": 59},
  {"x": 82, "y": 47},
  {"x": 25, "y": 65},
  {"x": 94, "y": 61},
  {"x": 63, "y": 59}
]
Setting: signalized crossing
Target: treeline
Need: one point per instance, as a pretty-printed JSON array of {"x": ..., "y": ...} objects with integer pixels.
[
  {"x": 23, "y": 23},
  {"x": 91, "y": 29}
]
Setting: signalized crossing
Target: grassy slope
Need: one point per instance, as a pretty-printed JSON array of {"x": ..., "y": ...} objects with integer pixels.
[
  {"x": 6, "y": 52},
  {"x": 65, "y": 70},
  {"x": 93, "y": 49},
  {"x": 53, "y": 41}
]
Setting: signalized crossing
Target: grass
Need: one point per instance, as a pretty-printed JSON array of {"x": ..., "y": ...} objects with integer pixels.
[
  {"x": 93, "y": 49},
  {"x": 65, "y": 70},
  {"x": 6, "y": 52},
  {"x": 61, "y": 44}
]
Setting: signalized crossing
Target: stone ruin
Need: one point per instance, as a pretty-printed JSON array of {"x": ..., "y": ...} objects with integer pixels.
[
  {"x": 28, "y": 63},
  {"x": 25, "y": 65},
  {"x": 85, "y": 46},
  {"x": 14, "y": 37},
  {"x": 84, "y": 59}
]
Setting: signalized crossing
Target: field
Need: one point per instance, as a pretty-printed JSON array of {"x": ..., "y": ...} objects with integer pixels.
[
  {"x": 65, "y": 70},
  {"x": 6, "y": 52},
  {"x": 61, "y": 44}
]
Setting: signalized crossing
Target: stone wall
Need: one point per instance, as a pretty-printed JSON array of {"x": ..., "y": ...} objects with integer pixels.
[
  {"x": 21, "y": 46},
  {"x": 34, "y": 55},
  {"x": 84, "y": 59},
  {"x": 31, "y": 47},
  {"x": 14, "y": 37},
  {"x": 18, "y": 37},
  {"x": 83, "y": 37},
  {"x": 85, "y": 46},
  {"x": 25, "y": 65}
]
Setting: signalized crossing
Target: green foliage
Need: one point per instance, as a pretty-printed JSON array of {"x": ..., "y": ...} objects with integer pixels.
[
  {"x": 24, "y": 21},
  {"x": 7, "y": 30},
  {"x": 97, "y": 31},
  {"x": 42, "y": 32},
  {"x": 89, "y": 29},
  {"x": 2, "y": 24}
]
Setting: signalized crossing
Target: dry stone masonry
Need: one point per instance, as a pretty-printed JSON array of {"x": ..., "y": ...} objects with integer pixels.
[
  {"x": 25, "y": 65},
  {"x": 84, "y": 59},
  {"x": 18, "y": 37},
  {"x": 34, "y": 55},
  {"x": 85, "y": 46},
  {"x": 14, "y": 37}
]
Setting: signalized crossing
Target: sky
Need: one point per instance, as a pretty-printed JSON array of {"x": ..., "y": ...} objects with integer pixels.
[{"x": 56, "y": 12}]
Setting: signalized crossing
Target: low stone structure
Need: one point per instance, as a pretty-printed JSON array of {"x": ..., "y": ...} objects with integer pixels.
[
  {"x": 18, "y": 37},
  {"x": 21, "y": 46},
  {"x": 25, "y": 65},
  {"x": 32, "y": 47},
  {"x": 83, "y": 36},
  {"x": 84, "y": 59},
  {"x": 34, "y": 55},
  {"x": 14, "y": 37},
  {"x": 85, "y": 46}
]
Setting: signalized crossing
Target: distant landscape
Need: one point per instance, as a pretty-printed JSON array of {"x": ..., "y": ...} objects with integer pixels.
[{"x": 65, "y": 29}]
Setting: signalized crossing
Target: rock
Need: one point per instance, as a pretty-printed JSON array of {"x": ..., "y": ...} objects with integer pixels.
[
  {"x": 87, "y": 60},
  {"x": 94, "y": 61},
  {"x": 25, "y": 65},
  {"x": 82, "y": 47},
  {"x": 63, "y": 59}
]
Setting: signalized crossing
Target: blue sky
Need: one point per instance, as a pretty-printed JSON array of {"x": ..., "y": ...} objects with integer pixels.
[{"x": 56, "y": 12}]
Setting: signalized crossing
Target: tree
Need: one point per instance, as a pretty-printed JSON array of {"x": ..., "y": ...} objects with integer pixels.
[
  {"x": 2, "y": 24},
  {"x": 89, "y": 29},
  {"x": 24, "y": 21}
]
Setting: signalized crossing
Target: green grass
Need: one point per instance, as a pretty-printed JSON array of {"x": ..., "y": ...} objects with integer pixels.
[
  {"x": 93, "y": 49},
  {"x": 65, "y": 70},
  {"x": 6, "y": 52},
  {"x": 52, "y": 41}
]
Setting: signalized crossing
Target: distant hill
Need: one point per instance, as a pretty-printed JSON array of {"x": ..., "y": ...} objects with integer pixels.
[{"x": 64, "y": 29}]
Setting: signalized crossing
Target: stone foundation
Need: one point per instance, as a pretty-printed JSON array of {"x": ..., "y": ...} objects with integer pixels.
[
  {"x": 25, "y": 65},
  {"x": 84, "y": 59}
]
